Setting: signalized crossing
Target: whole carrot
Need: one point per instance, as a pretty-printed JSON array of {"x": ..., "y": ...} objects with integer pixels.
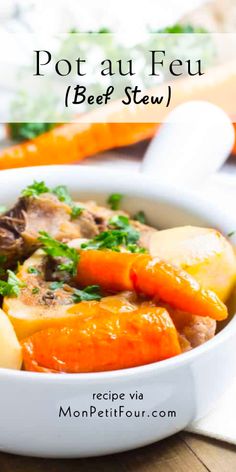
[
  {"x": 108, "y": 342},
  {"x": 152, "y": 277},
  {"x": 119, "y": 125}
]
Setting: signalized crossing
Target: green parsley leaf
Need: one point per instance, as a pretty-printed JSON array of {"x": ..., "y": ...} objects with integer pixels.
[
  {"x": 182, "y": 29},
  {"x": 110, "y": 239},
  {"x": 122, "y": 222},
  {"x": 140, "y": 216},
  {"x": 22, "y": 131},
  {"x": 123, "y": 234},
  {"x": 56, "y": 285},
  {"x": 35, "y": 290},
  {"x": 114, "y": 201},
  {"x": 231, "y": 234},
  {"x": 76, "y": 211},
  {"x": 104, "y": 30},
  {"x": 35, "y": 189},
  {"x": 12, "y": 287},
  {"x": 57, "y": 249},
  {"x": 92, "y": 292},
  {"x": 33, "y": 270},
  {"x": 62, "y": 194},
  {"x": 136, "y": 249}
]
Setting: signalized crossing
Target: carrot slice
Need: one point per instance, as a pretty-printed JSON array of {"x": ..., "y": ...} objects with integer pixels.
[
  {"x": 152, "y": 277},
  {"x": 156, "y": 278},
  {"x": 108, "y": 342},
  {"x": 109, "y": 269}
]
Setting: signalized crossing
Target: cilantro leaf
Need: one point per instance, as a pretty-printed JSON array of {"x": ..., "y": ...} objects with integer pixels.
[
  {"x": 114, "y": 201},
  {"x": 92, "y": 292},
  {"x": 140, "y": 216},
  {"x": 55, "y": 248},
  {"x": 12, "y": 287},
  {"x": 35, "y": 189}
]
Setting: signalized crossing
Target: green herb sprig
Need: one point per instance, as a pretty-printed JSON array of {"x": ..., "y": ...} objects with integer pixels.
[
  {"x": 140, "y": 216},
  {"x": 35, "y": 189},
  {"x": 38, "y": 188},
  {"x": 63, "y": 195},
  {"x": 114, "y": 201},
  {"x": 92, "y": 292},
  {"x": 120, "y": 234},
  {"x": 57, "y": 249},
  {"x": 11, "y": 287}
]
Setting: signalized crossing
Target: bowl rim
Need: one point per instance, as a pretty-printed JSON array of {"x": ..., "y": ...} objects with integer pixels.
[{"x": 182, "y": 198}]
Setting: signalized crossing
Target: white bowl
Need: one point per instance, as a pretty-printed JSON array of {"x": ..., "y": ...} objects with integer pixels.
[{"x": 188, "y": 384}]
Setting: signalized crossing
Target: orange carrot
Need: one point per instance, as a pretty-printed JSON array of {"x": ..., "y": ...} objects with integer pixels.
[
  {"x": 108, "y": 342},
  {"x": 156, "y": 278},
  {"x": 152, "y": 277},
  {"x": 75, "y": 141},
  {"x": 109, "y": 269}
]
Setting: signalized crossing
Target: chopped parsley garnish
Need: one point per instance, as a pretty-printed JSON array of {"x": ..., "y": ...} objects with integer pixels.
[
  {"x": 57, "y": 249},
  {"x": 122, "y": 223},
  {"x": 120, "y": 234},
  {"x": 76, "y": 211},
  {"x": 62, "y": 194},
  {"x": 35, "y": 189},
  {"x": 140, "y": 216},
  {"x": 182, "y": 29},
  {"x": 33, "y": 270},
  {"x": 231, "y": 234},
  {"x": 12, "y": 286},
  {"x": 114, "y": 201},
  {"x": 92, "y": 292},
  {"x": 35, "y": 290},
  {"x": 22, "y": 131},
  {"x": 56, "y": 285},
  {"x": 136, "y": 249}
]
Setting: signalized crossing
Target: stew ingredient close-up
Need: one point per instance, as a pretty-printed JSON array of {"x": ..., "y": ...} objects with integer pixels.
[{"x": 89, "y": 288}]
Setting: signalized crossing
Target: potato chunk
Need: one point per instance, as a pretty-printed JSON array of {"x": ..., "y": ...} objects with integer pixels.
[
  {"x": 202, "y": 252},
  {"x": 10, "y": 349}
]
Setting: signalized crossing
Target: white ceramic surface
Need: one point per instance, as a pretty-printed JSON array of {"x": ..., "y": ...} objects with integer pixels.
[
  {"x": 191, "y": 146},
  {"x": 189, "y": 384}
]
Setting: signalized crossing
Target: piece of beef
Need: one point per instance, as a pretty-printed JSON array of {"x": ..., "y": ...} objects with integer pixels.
[
  {"x": 20, "y": 226},
  {"x": 193, "y": 330}
]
